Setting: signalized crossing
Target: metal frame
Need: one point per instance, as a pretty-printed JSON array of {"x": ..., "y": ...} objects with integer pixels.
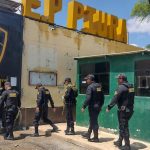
[
  {"x": 114, "y": 54},
  {"x": 42, "y": 72}
]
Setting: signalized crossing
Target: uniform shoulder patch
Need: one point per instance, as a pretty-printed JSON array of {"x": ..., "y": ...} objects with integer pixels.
[
  {"x": 12, "y": 95},
  {"x": 47, "y": 92},
  {"x": 99, "y": 89},
  {"x": 131, "y": 90}
]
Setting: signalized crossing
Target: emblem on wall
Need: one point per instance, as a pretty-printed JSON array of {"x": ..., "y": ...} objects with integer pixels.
[{"x": 3, "y": 42}]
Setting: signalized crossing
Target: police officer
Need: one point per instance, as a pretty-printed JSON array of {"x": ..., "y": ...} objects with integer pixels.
[
  {"x": 10, "y": 98},
  {"x": 43, "y": 97},
  {"x": 69, "y": 101},
  {"x": 94, "y": 101},
  {"x": 124, "y": 98}
]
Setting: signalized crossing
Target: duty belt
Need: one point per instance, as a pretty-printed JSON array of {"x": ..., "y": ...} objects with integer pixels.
[{"x": 126, "y": 109}]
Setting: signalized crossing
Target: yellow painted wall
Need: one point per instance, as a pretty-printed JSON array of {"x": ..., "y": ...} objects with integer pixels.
[{"x": 54, "y": 51}]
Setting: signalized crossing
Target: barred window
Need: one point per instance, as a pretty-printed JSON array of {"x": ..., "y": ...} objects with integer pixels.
[
  {"x": 101, "y": 72},
  {"x": 142, "y": 78}
]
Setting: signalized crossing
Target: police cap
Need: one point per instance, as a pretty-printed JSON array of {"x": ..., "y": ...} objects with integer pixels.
[
  {"x": 7, "y": 83},
  {"x": 90, "y": 76},
  {"x": 38, "y": 85},
  {"x": 122, "y": 76},
  {"x": 67, "y": 79}
]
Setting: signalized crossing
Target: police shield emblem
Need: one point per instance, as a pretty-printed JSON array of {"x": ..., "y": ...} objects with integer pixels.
[{"x": 3, "y": 42}]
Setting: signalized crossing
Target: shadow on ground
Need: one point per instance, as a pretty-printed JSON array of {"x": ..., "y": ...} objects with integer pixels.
[
  {"x": 80, "y": 132},
  {"x": 101, "y": 140},
  {"x": 23, "y": 136},
  {"x": 138, "y": 146}
]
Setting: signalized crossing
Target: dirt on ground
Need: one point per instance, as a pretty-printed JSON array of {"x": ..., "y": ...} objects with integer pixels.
[{"x": 24, "y": 141}]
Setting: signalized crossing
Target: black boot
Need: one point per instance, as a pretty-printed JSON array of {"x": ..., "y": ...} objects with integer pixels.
[
  {"x": 55, "y": 128},
  {"x": 2, "y": 130},
  {"x": 10, "y": 136},
  {"x": 67, "y": 131},
  {"x": 126, "y": 147},
  {"x": 36, "y": 134},
  {"x": 72, "y": 132},
  {"x": 87, "y": 135},
  {"x": 95, "y": 139},
  {"x": 118, "y": 143},
  {"x": 127, "y": 144},
  {"x": 5, "y": 135}
]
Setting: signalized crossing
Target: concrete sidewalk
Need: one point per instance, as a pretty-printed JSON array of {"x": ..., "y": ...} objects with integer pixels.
[{"x": 106, "y": 139}]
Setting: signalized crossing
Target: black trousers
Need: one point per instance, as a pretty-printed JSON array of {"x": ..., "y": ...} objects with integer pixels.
[
  {"x": 123, "y": 119},
  {"x": 3, "y": 118},
  {"x": 69, "y": 115},
  {"x": 42, "y": 114},
  {"x": 93, "y": 115},
  {"x": 10, "y": 118}
]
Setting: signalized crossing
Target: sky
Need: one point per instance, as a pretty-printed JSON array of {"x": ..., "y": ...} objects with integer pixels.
[{"x": 139, "y": 32}]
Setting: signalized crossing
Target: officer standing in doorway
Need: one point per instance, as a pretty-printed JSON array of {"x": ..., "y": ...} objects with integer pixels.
[
  {"x": 124, "y": 98},
  {"x": 69, "y": 102},
  {"x": 94, "y": 101},
  {"x": 43, "y": 97},
  {"x": 10, "y": 99}
]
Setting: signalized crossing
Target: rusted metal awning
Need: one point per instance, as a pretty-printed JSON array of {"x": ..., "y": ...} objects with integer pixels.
[
  {"x": 114, "y": 54},
  {"x": 9, "y": 5}
]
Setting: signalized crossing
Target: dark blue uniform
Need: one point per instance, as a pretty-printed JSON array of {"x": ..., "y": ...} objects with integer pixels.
[
  {"x": 94, "y": 101},
  {"x": 124, "y": 98},
  {"x": 10, "y": 99},
  {"x": 70, "y": 102},
  {"x": 43, "y": 97}
]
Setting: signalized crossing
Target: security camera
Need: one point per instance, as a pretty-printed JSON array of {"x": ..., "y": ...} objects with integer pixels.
[{"x": 52, "y": 29}]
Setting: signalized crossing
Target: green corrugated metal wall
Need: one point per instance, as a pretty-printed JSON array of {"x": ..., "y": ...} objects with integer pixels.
[{"x": 140, "y": 122}]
